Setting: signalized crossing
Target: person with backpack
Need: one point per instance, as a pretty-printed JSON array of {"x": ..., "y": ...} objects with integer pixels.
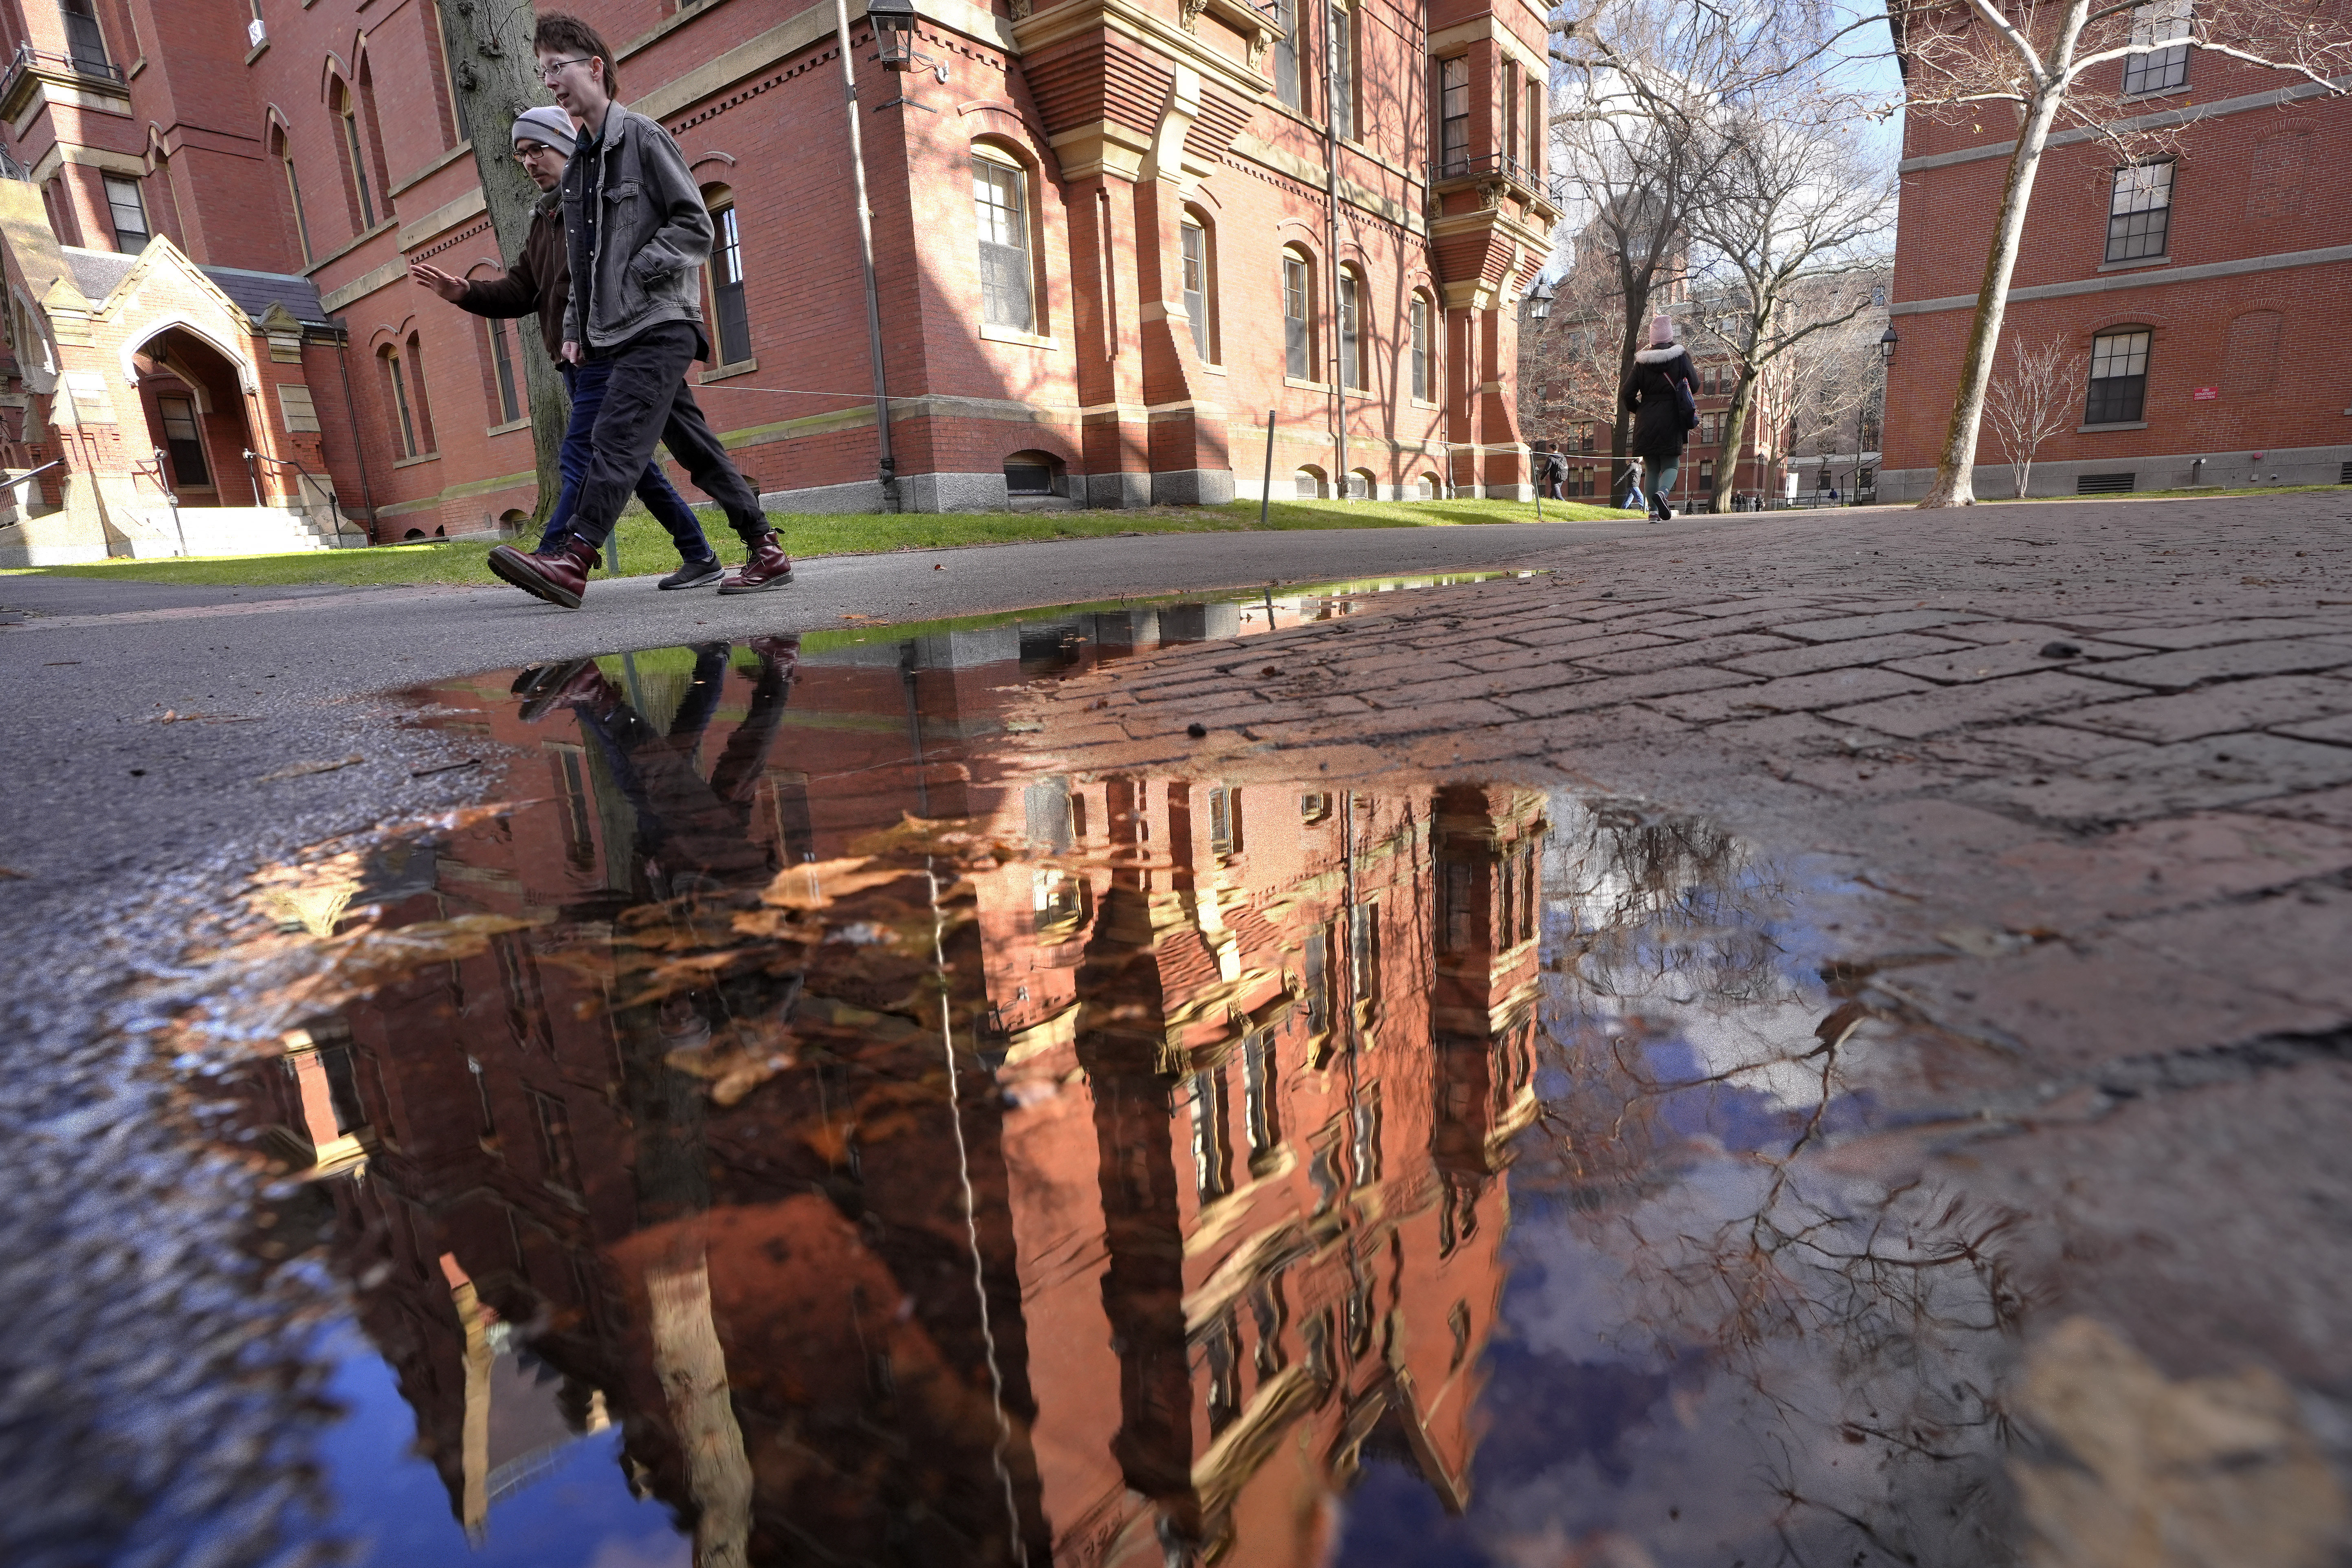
[
  {"x": 539, "y": 282},
  {"x": 1661, "y": 395},
  {"x": 638, "y": 236}
]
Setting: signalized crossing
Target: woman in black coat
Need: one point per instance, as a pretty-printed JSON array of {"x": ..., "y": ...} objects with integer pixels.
[{"x": 1649, "y": 398}]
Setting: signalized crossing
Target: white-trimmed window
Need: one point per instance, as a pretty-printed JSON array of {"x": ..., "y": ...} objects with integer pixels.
[
  {"x": 1420, "y": 347},
  {"x": 184, "y": 438},
  {"x": 85, "y": 40},
  {"x": 2118, "y": 377},
  {"x": 355, "y": 150},
  {"x": 1286, "y": 53},
  {"x": 1298, "y": 314},
  {"x": 730, "y": 314},
  {"x": 2139, "y": 213},
  {"x": 504, "y": 378},
  {"x": 1000, "y": 194},
  {"x": 1342, "y": 23},
  {"x": 129, "y": 214},
  {"x": 1351, "y": 329},
  {"x": 2160, "y": 34},
  {"x": 1197, "y": 258},
  {"x": 285, "y": 152},
  {"x": 1453, "y": 116}
]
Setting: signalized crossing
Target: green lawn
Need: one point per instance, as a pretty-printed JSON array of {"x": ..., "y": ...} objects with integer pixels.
[{"x": 645, "y": 548}]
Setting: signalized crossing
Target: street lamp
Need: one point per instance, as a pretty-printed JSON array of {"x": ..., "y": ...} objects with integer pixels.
[
  {"x": 894, "y": 31},
  {"x": 1887, "y": 342},
  {"x": 1540, "y": 301}
]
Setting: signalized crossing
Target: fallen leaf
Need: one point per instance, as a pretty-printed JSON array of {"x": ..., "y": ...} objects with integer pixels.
[
  {"x": 302, "y": 770},
  {"x": 9, "y": 874},
  {"x": 819, "y": 882}
]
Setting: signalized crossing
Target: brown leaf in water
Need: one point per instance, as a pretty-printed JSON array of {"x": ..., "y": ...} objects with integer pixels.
[
  {"x": 818, "y": 883},
  {"x": 732, "y": 1066}
]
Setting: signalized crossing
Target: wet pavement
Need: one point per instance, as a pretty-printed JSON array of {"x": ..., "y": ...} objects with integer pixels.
[{"x": 905, "y": 1096}]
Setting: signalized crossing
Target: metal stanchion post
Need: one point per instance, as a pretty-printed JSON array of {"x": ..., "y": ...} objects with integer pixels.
[{"x": 1266, "y": 495}]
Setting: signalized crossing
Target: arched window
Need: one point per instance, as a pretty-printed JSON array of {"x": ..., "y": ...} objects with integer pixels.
[
  {"x": 1351, "y": 329},
  {"x": 1308, "y": 482},
  {"x": 1362, "y": 485},
  {"x": 420, "y": 402},
  {"x": 396, "y": 393},
  {"x": 1033, "y": 474},
  {"x": 2118, "y": 376},
  {"x": 1298, "y": 314},
  {"x": 729, "y": 311},
  {"x": 1426, "y": 488},
  {"x": 283, "y": 150},
  {"x": 1199, "y": 260},
  {"x": 446, "y": 76},
  {"x": 506, "y": 379},
  {"x": 1000, "y": 194},
  {"x": 1420, "y": 348},
  {"x": 355, "y": 156}
]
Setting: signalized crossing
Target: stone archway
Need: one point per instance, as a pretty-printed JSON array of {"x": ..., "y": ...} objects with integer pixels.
[{"x": 193, "y": 398}]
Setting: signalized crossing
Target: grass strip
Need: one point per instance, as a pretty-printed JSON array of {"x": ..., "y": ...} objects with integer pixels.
[{"x": 645, "y": 547}]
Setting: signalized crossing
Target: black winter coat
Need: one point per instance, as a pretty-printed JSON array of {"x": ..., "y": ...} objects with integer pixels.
[{"x": 1649, "y": 398}]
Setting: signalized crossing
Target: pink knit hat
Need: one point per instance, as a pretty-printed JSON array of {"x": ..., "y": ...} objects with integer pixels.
[{"x": 1662, "y": 330}]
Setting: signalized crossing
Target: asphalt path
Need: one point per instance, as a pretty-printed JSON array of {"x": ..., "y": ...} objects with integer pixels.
[{"x": 100, "y": 784}]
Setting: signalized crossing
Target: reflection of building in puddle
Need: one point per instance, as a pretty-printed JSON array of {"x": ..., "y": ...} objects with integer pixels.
[{"x": 1196, "y": 1205}]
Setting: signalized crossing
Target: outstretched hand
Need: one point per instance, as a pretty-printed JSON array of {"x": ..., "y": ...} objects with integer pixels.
[{"x": 448, "y": 284}]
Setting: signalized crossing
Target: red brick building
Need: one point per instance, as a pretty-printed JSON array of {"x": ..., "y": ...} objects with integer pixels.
[
  {"x": 1140, "y": 227},
  {"x": 2203, "y": 291}
]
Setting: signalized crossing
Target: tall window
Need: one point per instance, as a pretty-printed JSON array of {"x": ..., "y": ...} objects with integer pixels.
[
  {"x": 128, "y": 213},
  {"x": 2139, "y": 215},
  {"x": 448, "y": 77},
  {"x": 1343, "y": 72},
  {"x": 1298, "y": 347},
  {"x": 183, "y": 439},
  {"x": 503, "y": 366},
  {"x": 294, "y": 193},
  {"x": 1285, "y": 52},
  {"x": 1198, "y": 286},
  {"x": 84, "y": 39},
  {"x": 396, "y": 377},
  {"x": 1532, "y": 125},
  {"x": 2160, "y": 31},
  {"x": 2118, "y": 378},
  {"x": 1452, "y": 115},
  {"x": 1706, "y": 475},
  {"x": 1421, "y": 347},
  {"x": 999, "y": 192},
  {"x": 729, "y": 311},
  {"x": 357, "y": 152},
  {"x": 1511, "y": 110},
  {"x": 1351, "y": 346}
]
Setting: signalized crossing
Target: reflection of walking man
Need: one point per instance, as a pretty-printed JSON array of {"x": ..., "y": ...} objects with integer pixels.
[
  {"x": 638, "y": 234},
  {"x": 541, "y": 281},
  {"x": 692, "y": 833}
]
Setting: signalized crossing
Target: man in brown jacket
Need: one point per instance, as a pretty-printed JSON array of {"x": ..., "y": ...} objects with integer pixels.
[{"x": 541, "y": 281}]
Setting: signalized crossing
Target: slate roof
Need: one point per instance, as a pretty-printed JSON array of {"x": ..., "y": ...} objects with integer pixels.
[
  {"x": 254, "y": 292},
  {"x": 97, "y": 273}
]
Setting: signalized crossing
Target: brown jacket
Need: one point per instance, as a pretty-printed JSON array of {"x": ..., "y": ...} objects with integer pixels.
[{"x": 540, "y": 280}]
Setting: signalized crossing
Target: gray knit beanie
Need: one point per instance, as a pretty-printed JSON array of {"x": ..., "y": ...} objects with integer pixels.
[{"x": 546, "y": 124}]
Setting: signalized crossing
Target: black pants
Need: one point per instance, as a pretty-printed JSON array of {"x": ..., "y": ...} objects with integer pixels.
[{"x": 646, "y": 400}]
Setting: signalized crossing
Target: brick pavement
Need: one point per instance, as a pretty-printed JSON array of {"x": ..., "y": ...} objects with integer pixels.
[{"x": 2092, "y": 883}]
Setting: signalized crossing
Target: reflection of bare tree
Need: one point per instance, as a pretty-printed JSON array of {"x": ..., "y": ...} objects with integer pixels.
[{"x": 1847, "y": 1338}]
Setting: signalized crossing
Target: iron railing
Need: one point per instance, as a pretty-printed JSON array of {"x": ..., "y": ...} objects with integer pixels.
[
  {"x": 27, "y": 58},
  {"x": 1484, "y": 164}
]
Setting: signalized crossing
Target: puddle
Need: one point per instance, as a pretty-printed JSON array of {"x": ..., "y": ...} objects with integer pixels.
[{"x": 786, "y": 1130}]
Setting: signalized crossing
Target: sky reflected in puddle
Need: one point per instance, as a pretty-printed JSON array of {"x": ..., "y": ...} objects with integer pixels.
[{"x": 791, "y": 1130}]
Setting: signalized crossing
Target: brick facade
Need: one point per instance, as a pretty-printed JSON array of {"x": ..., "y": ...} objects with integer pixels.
[
  {"x": 2245, "y": 377},
  {"x": 1125, "y": 123}
]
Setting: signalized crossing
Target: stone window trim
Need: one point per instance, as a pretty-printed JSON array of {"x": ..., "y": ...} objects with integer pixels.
[{"x": 722, "y": 371}]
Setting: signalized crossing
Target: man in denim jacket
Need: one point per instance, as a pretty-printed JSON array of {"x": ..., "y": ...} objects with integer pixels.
[{"x": 638, "y": 236}]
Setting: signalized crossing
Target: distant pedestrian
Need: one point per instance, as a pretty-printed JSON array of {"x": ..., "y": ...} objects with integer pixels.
[
  {"x": 638, "y": 236},
  {"x": 1659, "y": 394},
  {"x": 1555, "y": 475},
  {"x": 539, "y": 282}
]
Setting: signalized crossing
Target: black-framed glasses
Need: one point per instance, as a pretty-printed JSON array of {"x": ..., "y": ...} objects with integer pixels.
[
  {"x": 553, "y": 68},
  {"x": 526, "y": 151}
]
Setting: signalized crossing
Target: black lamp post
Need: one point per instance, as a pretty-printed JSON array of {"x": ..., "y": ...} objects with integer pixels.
[{"x": 1887, "y": 342}]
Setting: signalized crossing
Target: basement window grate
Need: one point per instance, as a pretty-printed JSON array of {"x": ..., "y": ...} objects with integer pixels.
[
  {"x": 2344, "y": 475},
  {"x": 2105, "y": 484},
  {"x": 1028, "y": 480}
]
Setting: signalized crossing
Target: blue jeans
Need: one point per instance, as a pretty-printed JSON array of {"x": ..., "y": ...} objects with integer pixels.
[{"x": 669, "y": 508}]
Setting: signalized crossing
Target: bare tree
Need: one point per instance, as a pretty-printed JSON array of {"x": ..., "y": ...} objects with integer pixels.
[
  {"x": 494, "y": 76},
  {"x": 1791, "y": 221},
  {"x": 2033, "y": 399},
  {"x": 2038, "y": 56}
]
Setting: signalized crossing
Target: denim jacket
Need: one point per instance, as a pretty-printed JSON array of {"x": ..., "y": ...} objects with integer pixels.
[{"x": 651, "y": 235}]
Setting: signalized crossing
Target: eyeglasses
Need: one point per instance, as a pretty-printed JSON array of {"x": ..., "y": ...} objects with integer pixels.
[
  {"x": 553, "y": 68},
  {"x": 526, "y": 151}
]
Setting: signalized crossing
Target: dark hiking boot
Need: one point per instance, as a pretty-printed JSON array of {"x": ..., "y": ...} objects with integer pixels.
[
  {"x": 694, "y": 574},
  {"x": 766, "y": 567},
  {"x": 569, "y": 683},
  {"x": 784, "y": 652},
  {"x": 559, "y": 578}
]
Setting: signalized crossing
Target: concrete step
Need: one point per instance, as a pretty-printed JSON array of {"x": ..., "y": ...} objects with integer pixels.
[{"x": 222, "y": 531}]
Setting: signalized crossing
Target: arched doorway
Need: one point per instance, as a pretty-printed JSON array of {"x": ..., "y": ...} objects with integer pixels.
[{"x": 194, "y": 406}]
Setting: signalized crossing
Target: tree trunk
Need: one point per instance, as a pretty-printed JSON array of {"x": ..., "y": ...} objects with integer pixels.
[
  {"x": 1955, "y": 474},
  {"x": 495, "y": 77},
  {"x": 1743, "y": 396}
]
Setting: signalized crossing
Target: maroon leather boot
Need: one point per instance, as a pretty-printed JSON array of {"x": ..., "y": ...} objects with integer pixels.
[
  {"x": 766, "y": 567},
  {"x": 559, "y": 576}
]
